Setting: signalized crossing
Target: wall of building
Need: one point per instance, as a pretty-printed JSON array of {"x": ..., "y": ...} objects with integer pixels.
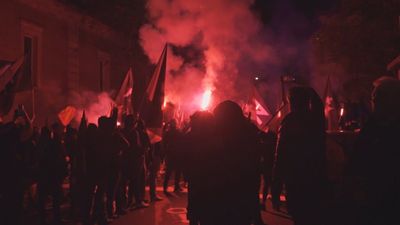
[{"x": 70, "y": 47}]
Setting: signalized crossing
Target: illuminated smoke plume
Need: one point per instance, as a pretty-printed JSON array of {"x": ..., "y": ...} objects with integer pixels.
[
  {"x": 94, "y": 104},
  {"x": 227, "y": 34}
]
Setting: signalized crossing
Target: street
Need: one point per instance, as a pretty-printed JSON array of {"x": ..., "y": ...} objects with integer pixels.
[{"x": 172, "y": 211}]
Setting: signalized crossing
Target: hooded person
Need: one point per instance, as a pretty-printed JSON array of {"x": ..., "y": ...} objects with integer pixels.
[
  {"x": 234, "y": 198},
  {"x": 374, "y": 164},
  {"x": 300, "y": 156},
  {"x": 199, "y": 164}
]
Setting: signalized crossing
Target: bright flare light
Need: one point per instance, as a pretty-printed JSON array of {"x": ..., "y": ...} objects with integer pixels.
[
  {"x": 341, "y": 111},
  {"x": 165, "y": 103},
  {"x": 206, "y": 100}
]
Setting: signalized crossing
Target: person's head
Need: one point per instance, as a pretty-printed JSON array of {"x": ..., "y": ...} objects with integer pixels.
[
  {"x": 172, "y": 124},
  {"x": 105, "y": 123},
  {"x": 70, "y": 131},
  {"x": 201, "y": 121},
  {"x": 91, "y": 129},
  {"x": 299, "y": 99},
  {"x": 57, "y": 129},
  {"x": 228, "y": 113},
  {"x": 45, "y": 133},
  {"x": 129, "y": 121},
  {"x": 19, "y": 118},
  {"x": 385, "y": 97},
  {"x": 140, "y": 125}
]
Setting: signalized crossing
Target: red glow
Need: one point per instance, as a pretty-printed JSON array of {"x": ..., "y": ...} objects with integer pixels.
[
  {"x": 165, "y": 103},
  {"x": 341, "y": 111},
  {"x": 206, "y": 100},
  {"x": 279, "y": 114}
]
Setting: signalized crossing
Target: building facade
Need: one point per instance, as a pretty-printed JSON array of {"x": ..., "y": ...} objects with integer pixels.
[{"x": 69, "y": 52}]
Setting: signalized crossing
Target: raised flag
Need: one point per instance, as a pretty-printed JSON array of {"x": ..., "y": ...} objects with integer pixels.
[
  {"x": 9, "y": 80},
  {"x": 66, "y": 115},
  {"x": 4, "y": 66},
  {"x": 257, "y": 109},
  {"x": 152, "y": 110},
  {"x": 124, "y": 97},
  {"x": 156, "y": 85},
  {"x": 9, "y": 71}
]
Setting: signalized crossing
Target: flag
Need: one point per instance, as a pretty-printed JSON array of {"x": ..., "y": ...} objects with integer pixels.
[
  {"x": 4, "y": 66},
  {"x": 9, "y": 80},
  {"x": 124, "y": 97},
  {"x": 9, "y": 69},
  {"x": 152, "y": 112},
  {"x": 156, "y": 85},
  {"x": 66, "y": 115},
  {"x": 257, "y": 109},
  {"x": 275, "y": 120},
  {"x": 155, "y": 134}
]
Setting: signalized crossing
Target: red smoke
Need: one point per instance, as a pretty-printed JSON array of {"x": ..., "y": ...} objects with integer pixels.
[{"x": 229, "y": 33}]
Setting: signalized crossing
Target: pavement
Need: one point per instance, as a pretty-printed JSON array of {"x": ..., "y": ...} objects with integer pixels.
[{"x": 172, "y": 211}]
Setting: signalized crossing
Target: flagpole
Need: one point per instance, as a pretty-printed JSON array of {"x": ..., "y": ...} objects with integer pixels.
[
  {"x": 33, "y": 104},
  {"x": 284, "y": 102},
  {"x": 33, "y": 96},
  {"x": 275, "y": 114}
]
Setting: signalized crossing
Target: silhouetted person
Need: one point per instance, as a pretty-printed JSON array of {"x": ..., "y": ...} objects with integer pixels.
[
  {"x": 374, "y": 165},
  {"x": 52, "y": 171},
  {"x": 99, "y": 162},
  {"x": 95, "y": 179},
  {"x": 300, "y": 156},
  {"x": 268, "y": 145},
  {"x": 72, "y": 152},
  {"x": 114, "y": 145},
  {"x": 139, "y": 182},
  {"x": 233, "y": 198},
  {"x": 199, "y": 165},
  {"x": 12, "y": 168},
  {"x": 129, "y": 161},
  {"x": 155, "y": 159},
  {"x": 172, "y": 144}
]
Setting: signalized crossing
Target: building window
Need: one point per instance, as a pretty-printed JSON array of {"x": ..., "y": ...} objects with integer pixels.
[
  {"x": 32, "y": 41},
  {"x": 28, "y": 45}
]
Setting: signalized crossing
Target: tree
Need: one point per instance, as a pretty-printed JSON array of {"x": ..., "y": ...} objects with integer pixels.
[{"x": 361, "y": 36}]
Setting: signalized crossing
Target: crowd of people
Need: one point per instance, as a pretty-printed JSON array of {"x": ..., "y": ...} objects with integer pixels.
[{"x": 223, "y": 157}]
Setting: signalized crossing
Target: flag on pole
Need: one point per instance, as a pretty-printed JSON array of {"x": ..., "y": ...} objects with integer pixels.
[
  {"x": 4, "y": 66},
  {"x": 9, "y": 70},
  {"x": 66, "y": 115},
  {"x": 124, "y": 97},
  {"x": 156, "y": 85},
  {"x": 257, "y": 109},
  {"x": 152, "y": 110},
  {"x": 10, "y": 75}
]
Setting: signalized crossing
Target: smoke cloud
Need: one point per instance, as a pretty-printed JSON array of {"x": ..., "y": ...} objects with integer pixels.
[
  {"x": 94, "y": 105},
  {"x": 225, "y": 32}
]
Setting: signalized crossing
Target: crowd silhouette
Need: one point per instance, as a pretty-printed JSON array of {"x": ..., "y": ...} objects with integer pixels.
[{"x": 221, "y": 155}]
